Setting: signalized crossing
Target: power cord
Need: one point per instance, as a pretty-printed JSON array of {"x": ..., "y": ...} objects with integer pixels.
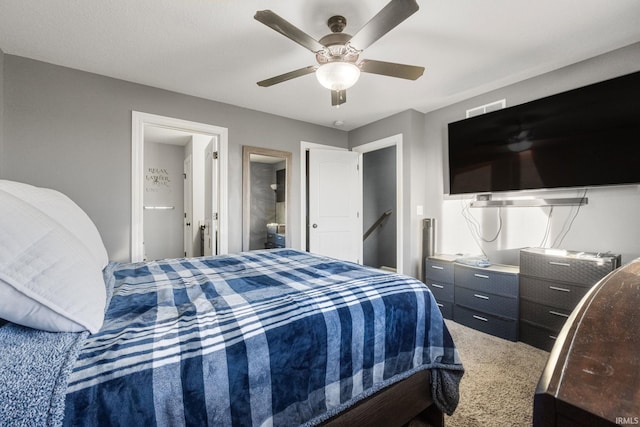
[
  {"x": 569, "y": 222},
  {"x": 474, "y": 226},
  {"x": 548, "y": 230}
]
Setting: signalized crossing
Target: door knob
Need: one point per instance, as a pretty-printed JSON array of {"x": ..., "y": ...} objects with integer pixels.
[{"x": 315, "y": 225}]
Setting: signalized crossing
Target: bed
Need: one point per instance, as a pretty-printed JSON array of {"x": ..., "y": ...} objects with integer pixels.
[{"x": 274, "y": 337}]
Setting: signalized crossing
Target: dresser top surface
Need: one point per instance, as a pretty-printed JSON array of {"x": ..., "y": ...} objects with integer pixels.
[
  {"x": 443, "y": 257},
  {"x": 562, "y": 253}
]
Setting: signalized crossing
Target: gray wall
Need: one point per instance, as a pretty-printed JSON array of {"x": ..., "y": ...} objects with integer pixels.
[
  {"x": 379, "y": 196},
  {"x": 71, "y": 130},
  {"x": 607, "y": 223},
  {"x": 164, "y": 186},
  {"x": 410, "y": 124}
]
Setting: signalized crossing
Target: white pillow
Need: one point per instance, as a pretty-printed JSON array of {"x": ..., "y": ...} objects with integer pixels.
[
  {"x": 49, "y": 279},
  {"x": 64, "y": 211}
]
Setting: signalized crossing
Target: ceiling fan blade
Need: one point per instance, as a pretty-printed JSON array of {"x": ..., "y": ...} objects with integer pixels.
[
  {"x": 288, "y": 76},
  {"x": 338, "y": 97},
  {"x": 274, "y": 21},
  {"x": 391, "y": 69},
  {"x": 387, "y": 19}
]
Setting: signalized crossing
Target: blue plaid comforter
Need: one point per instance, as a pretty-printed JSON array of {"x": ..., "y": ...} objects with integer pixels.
[{"x": 261, "y": 338}]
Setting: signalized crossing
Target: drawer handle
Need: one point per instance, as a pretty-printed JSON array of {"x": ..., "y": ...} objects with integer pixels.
[
  {"x": 481, "y": 296},
  {"x": 437, "y": 267},
  {"x": 437, "y": 286},
  {"x": 555, "y": 313},
  {"x": 484, "y": 319},
  {"x": 481, "y": 276},
  {"x": 561, "y": 264},
  {"x": 555, "y": 288},
  {"x": 439, "y": 305},
  {"x": 553, "y": 337}
]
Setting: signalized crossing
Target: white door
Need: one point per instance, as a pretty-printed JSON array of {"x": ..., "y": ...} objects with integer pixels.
[
  {"x": 211, "y": 199},
  {"x": 335, "y": 200},
  {"x": 188, "y": 208}
]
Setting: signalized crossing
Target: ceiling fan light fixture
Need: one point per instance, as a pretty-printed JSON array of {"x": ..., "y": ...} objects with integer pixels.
[{"x": 338, "y": 75}]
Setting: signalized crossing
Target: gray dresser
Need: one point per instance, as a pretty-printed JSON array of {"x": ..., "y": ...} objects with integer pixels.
[
  {"x": 552, "y": 282},
  {"x": 486, "y": 299},
  {"x": 438, "y": 276}
]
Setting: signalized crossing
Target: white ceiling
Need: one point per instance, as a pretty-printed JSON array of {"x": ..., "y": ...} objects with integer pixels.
[
  {"x": 161, "y": 135},
  {"x": 215, "y": 49}
]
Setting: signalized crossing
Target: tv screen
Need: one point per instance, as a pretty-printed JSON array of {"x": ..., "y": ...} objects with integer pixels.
[{"x": 584, "y": 137}]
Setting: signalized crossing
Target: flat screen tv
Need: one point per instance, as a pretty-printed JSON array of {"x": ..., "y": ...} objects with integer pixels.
[{"x": 581, "y": 138}]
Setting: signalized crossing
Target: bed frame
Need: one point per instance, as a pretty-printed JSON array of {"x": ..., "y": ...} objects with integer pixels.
[{"x": 394, "y": 406}]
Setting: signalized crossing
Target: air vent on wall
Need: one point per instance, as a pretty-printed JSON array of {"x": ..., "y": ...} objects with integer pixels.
[{"x": 487, "y": 108}]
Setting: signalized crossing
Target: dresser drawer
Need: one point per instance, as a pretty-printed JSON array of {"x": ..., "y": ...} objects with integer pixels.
[
  {"x": 537, "y": 336},
  {"x": 560, "y": 295},
  {"x": 446, "y": 308},
  {"x": 440, "y": 271},
  {"x": 503, "y": 328},
  {"x": 584, "y": 271},
  {"x": 486, "y": 280},
  {"x": 549, "y": 317},
  {"x": 487, "y": 303},
  {"x": 440, "y": 290}
]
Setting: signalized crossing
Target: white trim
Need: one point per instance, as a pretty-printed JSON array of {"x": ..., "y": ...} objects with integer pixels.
[
  {"x": 223, "y": 199},
  {"x": 138, "y": 121},
  {"x": 486, "y": 108},
  {"x": 304, "y": 147},
  {"x": 395, "y": 140}
]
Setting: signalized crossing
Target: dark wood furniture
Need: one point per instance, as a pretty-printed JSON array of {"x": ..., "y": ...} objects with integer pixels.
[
  {"x": 438, "y": 276},
  {"x": 394, "y": 406},
  {"x": 592, "y": 376},
  {"x": 552, "y": 282},
  {"x": 486, "y": 299}
]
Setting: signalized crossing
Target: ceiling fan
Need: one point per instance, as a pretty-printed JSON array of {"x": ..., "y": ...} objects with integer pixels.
[{"x": 338, "y": 53}]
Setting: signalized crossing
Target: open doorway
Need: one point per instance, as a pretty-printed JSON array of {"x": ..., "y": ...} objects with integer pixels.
[
  {"x": 179, "y": 169},
  {"x": 382, "y": 208},
  {"x": 379, "y": 212},
  {"x": 174, "y": 192},
  {"x": 394, "y": 141}
]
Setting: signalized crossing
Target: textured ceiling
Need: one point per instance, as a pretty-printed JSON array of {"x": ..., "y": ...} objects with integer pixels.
[{"x": 215, "y": 49}]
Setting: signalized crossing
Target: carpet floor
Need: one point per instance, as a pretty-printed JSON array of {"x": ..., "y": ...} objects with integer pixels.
[{"x": 499, "y": 381}]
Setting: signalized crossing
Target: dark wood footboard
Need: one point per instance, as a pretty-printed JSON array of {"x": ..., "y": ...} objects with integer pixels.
[
  {"x": 592, "y": 377},
  {"x": 394, "y": 406}
]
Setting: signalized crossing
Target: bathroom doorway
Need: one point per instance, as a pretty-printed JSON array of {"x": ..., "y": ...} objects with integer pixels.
[{"x": 158, "y": 175}]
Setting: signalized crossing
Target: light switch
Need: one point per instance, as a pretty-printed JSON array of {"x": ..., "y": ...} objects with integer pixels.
[{"x": 419, "y": 210}]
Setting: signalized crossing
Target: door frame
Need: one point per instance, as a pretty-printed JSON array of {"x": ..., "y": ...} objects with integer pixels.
[
  {"x": 138, "y": 122},
  {"x": 187, "y": 234},
  {"x": 362, "y": 149},
  {"x": 394, "y": 140}
]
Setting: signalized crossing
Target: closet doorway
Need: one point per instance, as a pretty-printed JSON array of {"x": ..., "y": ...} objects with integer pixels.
[{"x": 179, "y": 188}]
